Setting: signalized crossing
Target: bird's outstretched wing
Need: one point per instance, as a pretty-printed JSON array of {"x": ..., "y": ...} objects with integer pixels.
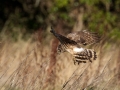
[
  {"x": 63, "y": 40},
  {"x": 84, "y": 37}
]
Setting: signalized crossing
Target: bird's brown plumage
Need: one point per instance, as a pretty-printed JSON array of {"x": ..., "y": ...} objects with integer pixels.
[
  {"x": 84, "y": 37},
  {"x": 72, "y": 44}
]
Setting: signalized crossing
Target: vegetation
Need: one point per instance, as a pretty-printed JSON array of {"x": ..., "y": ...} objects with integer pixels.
[
  {"x": 29, "y": 16},
  {"x": 28, "y": 56}
]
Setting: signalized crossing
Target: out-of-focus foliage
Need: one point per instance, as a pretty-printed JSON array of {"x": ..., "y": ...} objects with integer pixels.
[
  {"x": 30, "y": 15},
  {"x": 103, "y": 15}
]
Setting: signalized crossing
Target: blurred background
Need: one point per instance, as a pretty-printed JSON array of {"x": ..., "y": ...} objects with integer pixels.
[
  {"x": 28, "y": 58},
  {"x": 26, "y": 16}
]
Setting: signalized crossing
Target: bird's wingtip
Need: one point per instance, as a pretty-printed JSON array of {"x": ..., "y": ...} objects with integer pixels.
[
  {"x": 52, "y": 30},
  {"x": 51, "y": 27}
]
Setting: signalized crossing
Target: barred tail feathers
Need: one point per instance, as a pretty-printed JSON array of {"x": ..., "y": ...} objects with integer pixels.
[
  {"x": 91, "y": 54},
  {"x": 84, "y": 56}
]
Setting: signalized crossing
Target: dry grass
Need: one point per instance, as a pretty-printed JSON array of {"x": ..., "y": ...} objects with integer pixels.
[{"x": 33, "y": 65}]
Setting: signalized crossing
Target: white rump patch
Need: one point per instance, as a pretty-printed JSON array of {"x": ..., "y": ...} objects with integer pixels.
[{"x": 78, "y": 49}]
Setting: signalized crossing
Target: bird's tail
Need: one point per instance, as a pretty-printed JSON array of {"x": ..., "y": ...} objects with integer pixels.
[
  {"x": 83, "y": 57},
  {"x": 91, "y": 54}
]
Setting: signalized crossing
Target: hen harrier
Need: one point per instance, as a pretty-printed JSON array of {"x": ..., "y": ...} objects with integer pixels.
[{"x": 72, "y": 44}]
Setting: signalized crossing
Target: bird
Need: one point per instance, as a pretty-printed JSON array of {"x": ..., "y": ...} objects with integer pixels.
[{"x": 73, "y": 42}]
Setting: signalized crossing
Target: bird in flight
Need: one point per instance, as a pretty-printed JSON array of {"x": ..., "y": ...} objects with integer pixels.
[{"x": 72, "y": 43}]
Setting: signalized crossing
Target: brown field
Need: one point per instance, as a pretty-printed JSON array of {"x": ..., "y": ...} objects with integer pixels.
[{"x": 34, "y": 65}]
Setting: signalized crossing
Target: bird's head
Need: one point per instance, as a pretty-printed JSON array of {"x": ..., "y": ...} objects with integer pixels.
[{"x": 60, "y": 49}]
